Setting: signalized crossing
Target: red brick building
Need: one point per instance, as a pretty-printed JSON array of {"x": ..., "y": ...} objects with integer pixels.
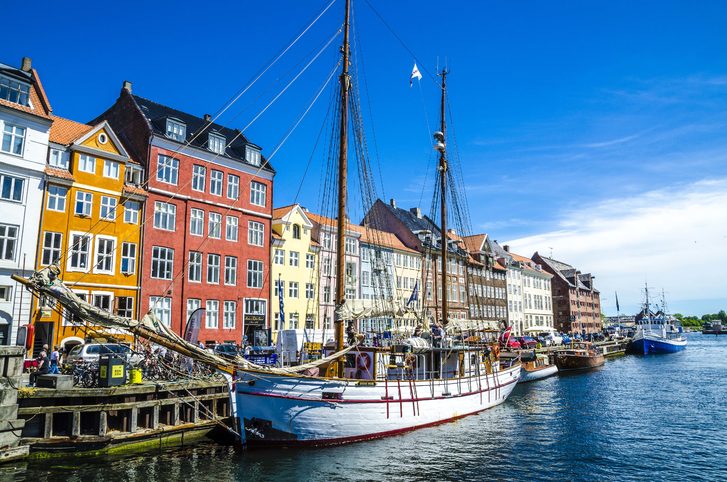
[{"x": 206, "y": 234}]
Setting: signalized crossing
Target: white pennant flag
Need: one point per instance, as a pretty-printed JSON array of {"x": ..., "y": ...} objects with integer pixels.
[{"x": 415, "y": 74}]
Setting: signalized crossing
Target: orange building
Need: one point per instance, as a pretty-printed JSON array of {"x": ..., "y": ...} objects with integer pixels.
[{"x": 93, "y": 210}]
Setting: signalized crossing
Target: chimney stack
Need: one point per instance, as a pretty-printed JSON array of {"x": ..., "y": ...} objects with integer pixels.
[
  {"x": 126, "y": 86},
  {"x": 26, "y": 64},
  {"x": 506, "y": 248},
  {"x": 393, "y": 202},
  {"x": 207, "y": 117},
  {"x": 417, "y": 212}
]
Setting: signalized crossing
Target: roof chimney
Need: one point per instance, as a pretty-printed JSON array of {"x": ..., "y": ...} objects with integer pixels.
[
  {"x": 207, "y": 117},
  {"x": 126, "y": 86},
  {"x": 506, "y": 248},
  {"x": 393, "y": 202},
  {"x": 26, "y": 64},
  {"x": 417, "y": 212}
]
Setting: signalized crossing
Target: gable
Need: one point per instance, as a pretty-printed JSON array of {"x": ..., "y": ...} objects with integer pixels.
[{"x": 102, "y": 138}]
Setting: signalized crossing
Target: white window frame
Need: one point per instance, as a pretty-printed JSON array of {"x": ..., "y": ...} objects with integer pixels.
[
  {"x": 310, "y": 260},
  {"x": 214, "y": 227},
  {"x": 258, "y": 193},
  {"x": 57, "y": 158},
  {"x": 128, "y": 257},
  {"x": 176, "y": 130},
  {"x": 15, "y": 91},
  {"x": 279, "y": 256},
  {"x": 107, "y": 210},
  {"x": 11, "y": 134},
  {"x": 217, "y": 180},
  {"x": 110, "y": 295},
  {"x": 229, "y": 317},
  {"x": 193, "y": 304},
  {"x": 199, "y": 178},
  {"x": 111, "y": 169},
  {"x": 12, "y": 183},
  {"x": 130, "y": 309},
  {"x": 294, "y": 258},
  {"x": 232, "y": 224},
  {"x": 131, "y": 212},
  {"x": 212, "y": 314},
  {"x": 162, "y": 308},
  {"x": 87, "y": 163},
  {"x": 89, "y": 254},
  {"x": 233, "y": 186},
  {"x": 252, "y": 156},
  {"x": 255, "y": 233},
  {"x": 196, "y": 222},
  {"x": 167, "y": 169},
  {"x": 293, "y": 289},
  {"x": 213, "y": 268},
  {"x": 194, "y": 267},
  {"x": 255, "y": 273},
  {"x": 51, "y": 253},
  {"x": 217, "y": 143},
  {"x": 57, "y": 198},
  {"x": 165, "y": 216},
  {"x": 162, "y": 262},
  {"x": 87, "y": 203},
  {"x": 230, "y": 271},
  {"x": 98, "y": 240}
]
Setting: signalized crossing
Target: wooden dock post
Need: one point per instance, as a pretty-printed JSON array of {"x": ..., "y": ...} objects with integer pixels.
[
  {"x": 103, "y": 425},
  {"x": 76, "y": 424},
  {"x": 134, "y": 420},
  {"x": 155, "y": 417},
  {"x": 48, "y": 425},
  {"x": 175, "y": 414}
]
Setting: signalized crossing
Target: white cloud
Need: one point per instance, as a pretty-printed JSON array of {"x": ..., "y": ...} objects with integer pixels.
[{"x": 675, "y": 239}]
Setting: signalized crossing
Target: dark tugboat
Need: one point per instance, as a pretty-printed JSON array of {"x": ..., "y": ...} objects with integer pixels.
[{"x": 579, "y": 356}]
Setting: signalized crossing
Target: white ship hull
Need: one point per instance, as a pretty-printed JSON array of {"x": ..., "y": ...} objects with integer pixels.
[{"x": 284, "y": 410}]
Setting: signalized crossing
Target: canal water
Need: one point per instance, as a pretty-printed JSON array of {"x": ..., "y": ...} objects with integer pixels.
[{"x": 637, "y": 418}]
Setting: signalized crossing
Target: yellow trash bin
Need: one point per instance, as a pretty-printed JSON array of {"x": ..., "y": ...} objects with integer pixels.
[{"x": 135, "y": 376}]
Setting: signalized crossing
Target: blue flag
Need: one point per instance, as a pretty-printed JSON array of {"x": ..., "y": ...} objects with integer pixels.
[
  {"x": 414, "y": 294},
  {"x": 282, "y": 304}
]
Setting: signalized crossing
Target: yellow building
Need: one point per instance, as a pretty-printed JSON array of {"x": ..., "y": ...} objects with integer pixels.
[
  {"x": 294, "y": 269},
  {"x": 93, "y": 209}
]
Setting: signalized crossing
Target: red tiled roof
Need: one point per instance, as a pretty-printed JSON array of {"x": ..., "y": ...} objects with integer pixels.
[
  {"x": 282, "y": 211},
  {"x": 58, "y": 172},
  {"x": 474, "y": 243},
  {"x": 128, "y": 189},
  {"x": 38, "y": 100},
  {"x": 65, "y": 131}
]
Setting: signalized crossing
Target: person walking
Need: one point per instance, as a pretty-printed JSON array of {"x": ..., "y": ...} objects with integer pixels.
[{"x": 54, "y": 361}]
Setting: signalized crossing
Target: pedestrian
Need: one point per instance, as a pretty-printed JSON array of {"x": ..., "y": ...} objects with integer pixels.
[
  {"x": 54, "y": 359},
  {"x": 43, "y": 367}
]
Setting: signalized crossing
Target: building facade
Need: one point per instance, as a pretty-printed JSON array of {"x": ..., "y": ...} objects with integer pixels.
[
  {"x": 90, "y": 228},
  {"x": 537, "y": 299},
  {"x": 206, "y": 237},
  {"x": 294, "y": 272},
  {"x": 576, "y": 302},
  {"x": 25, "y": 121},
  {"x": 487, "y": 282}
]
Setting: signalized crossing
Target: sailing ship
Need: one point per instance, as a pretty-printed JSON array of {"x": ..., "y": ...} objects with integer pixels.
[
  {"x": 655, "y": 332},
  {"x": 358, "y": 392}
]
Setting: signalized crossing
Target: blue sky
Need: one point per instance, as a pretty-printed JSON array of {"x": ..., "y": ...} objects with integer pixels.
[{"x": 578, "y": 124}]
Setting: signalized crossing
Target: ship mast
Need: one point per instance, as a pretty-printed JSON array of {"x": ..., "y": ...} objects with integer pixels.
[
  {"x": 345, "y": 82},
  {"x": 441, "y": 147}
]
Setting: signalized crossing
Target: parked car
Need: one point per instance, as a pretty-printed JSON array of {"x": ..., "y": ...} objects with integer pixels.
[
  {"x": 91, "y": 352},
  {"x": 566, "y": 339},
  {"x": 552, "y": 339},
  {"x": 512, "y": 343},
  {"x": 226, "y": 350},
  {"x": 528, "y": 342}
]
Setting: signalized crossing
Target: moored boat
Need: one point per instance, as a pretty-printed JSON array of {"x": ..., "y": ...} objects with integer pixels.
[
  {"x": 538, "y": 368},
  {"x": 579, "y": 356},
  {"x": 656, "y": 332}
]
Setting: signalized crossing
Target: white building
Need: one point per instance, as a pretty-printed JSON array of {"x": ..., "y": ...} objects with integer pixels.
[
  {"x": 535, "y": 297},
  {"x": 25, "y": 120}
]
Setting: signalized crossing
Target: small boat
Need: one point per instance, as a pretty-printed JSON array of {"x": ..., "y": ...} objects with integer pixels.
[
  {"x": 714, "y": 328},
  {"x": 536, "y": 369},
  {"x": 656, "y": 332},
  {"x": 579, "y": 356}
]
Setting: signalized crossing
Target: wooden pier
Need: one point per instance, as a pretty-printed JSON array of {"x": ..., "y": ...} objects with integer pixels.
[{"x": 124, "y": 418}]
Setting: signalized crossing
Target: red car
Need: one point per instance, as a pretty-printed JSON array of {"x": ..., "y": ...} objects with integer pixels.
[
  {"x": 528, "y": 343},
  {"x": 512, "y": 343}
]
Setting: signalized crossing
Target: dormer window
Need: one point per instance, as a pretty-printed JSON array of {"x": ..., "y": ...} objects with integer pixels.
[
  {"x": 134, "y": 175},
  {"x": 14, "y": 91},
  {"x": 176, "y": 130},
  {"x": 252, "y": 156},
  {"x": 217, "y": 143},
  {"x": 58, "y": 158}
]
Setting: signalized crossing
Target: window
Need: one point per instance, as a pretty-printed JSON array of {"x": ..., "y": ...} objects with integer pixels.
[
  {"x": 131, "y": 212},
  {"x": 58, "y": 159},
  {"x": 230, "y": 270},
  {"x": 110, "y": 169},
  {"x": 105, "y": 255},
  {"x": 162, "y": 308},
  {"x": 213, "y": 268},
  {"x": 309, "y": 291},
  {"x": 108, "y": 208},
  {"x": 13, "y": 139},
  {"x": 84, "y": 201},
  {"x": 279, "y": 256},
  {"x": 279, "y": 287},
  {"x": 216, "y": 143},
  {"x": 162, "y": 262},
  {"x": 134, "y": 175},
  {"x": 165, "y": 216},
  {"x": 167, "y": 169},
  {"x": 296, "y": 231},
  {"x": 193, "y": 304},
  {"x": 216, "y": 178},
  {"x": 80, "y": 245},
  {"x": 14, "y": 91},
  {"x": 255, "y": 233},
  {"x": 125, "y": 306},
  {"x": 252, "y": 156},
  {"x": 128, "y": 258},
  {"x": 293, "y": 318},
  {"x": 215, "y": 225},
  {"x": 350, "y": 246},
  {"x": 254, "y": 274},
  {"x": 310, "y": 261},
  {"x": 228, "y": 320},
  {"x": 87, "y": 163},
  {"x": 293, "y": 258},
  {"x": 231, "y": 228},
  {"x": 196, "y": 222},
  {"x": 293, "y": 289},
  {"x": 258, "y": 193},
  {"x": 309, "y": 322},
  {"x": 6, "y": 293},
  {"x": 57, "y": 198},
  {"x": 212, "y": 314},
  {"x": 176, "y": 130},
  {"x": 12, "y": 188},
  {"x": 195, "y": 266},
  {"x": 199, "y": 174},
  {"x": 365, "y": 278},
  {"x": 51, "y": 248},
  {"x": 327, "y": 294},
  {"x": 233, "y": 186},
  {"x": 102, "y": 301}
]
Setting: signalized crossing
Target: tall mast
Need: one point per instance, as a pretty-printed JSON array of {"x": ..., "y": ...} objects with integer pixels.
[
  {"x": 345, "y": 82},
  {"x": 443, "y": 190}
]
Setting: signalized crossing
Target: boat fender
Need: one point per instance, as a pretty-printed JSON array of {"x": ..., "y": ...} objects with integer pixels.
[
  {"x": 363, "y": 361},
  {"x": 251, "y": 382},
  {"x": 496, "y": 352}
]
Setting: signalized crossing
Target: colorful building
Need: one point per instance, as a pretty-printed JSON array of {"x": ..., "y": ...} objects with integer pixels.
[
  {"x": 294, "y": 272},
  {"x": 537, "y": 298},
  {"x": 25, "y": 121},
  {"x": 206, "y": 237},
  {"x": 90, "y": 227}
]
